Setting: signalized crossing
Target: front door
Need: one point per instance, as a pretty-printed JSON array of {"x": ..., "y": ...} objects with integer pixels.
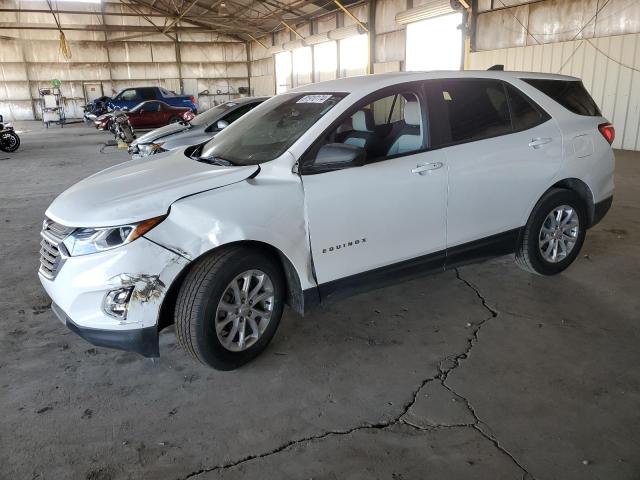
[{"x": 385, "y": 219}]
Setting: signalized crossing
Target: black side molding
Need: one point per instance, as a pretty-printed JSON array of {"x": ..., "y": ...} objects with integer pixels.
[
  {"x": 143, "y": 341},
  {"x": 504, "y": 243},
  {"x": 382, "y": 277},
  {"x": 483, "y": 249}
]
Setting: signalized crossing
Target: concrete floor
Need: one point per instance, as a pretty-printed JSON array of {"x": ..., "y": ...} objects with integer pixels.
[{"x": 484, "y": 373}]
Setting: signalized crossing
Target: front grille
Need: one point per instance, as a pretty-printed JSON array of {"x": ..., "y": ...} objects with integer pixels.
[{"x": 52, "y": 236}]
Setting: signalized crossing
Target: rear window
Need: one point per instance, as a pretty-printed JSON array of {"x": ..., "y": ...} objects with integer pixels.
[{"x": 571, "y": 94}]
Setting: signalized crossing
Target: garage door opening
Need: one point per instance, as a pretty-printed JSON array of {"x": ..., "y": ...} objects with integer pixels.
[
  {"x": 435, "y": 43},
  {"x": 283, "y": 72}
]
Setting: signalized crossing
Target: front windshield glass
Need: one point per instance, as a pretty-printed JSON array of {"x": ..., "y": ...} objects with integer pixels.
[
  {"x": 266, "y": 132},
  {"x": 205, "y": 118}
]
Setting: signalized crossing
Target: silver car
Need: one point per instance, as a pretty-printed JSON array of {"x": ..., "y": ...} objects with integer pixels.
[{"x": 200, "y": 129}]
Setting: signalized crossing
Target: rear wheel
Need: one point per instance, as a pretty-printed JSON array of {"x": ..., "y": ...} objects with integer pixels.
[
  {"x": 554, "y": 234},
  {"x": 229, "y": 307}
]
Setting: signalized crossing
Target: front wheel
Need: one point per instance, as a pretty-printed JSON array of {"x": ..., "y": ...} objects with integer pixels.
[
  {"x": 9, "y": 141},
  {"x": 229, "y": 307},
  {"x": 554, "y": 234}
]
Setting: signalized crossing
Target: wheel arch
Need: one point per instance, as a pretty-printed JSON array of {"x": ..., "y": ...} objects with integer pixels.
[
  {"x": 295, "y": 294},
  {"x": 582, "y": 190}
]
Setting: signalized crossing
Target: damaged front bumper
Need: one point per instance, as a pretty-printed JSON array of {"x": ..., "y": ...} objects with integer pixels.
[
  {"x": 82, "y": 283},
  {"x": 139, "y": 340}
]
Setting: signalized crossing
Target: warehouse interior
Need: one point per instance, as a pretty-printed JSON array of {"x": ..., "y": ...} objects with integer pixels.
[{"x": 484, "y": 372}]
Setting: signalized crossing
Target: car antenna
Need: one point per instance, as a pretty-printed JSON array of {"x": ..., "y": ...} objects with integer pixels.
[{"x": 499, "y": 68}]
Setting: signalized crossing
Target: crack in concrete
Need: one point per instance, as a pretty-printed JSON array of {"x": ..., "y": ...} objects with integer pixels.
[{"x": 443, "y": 372}]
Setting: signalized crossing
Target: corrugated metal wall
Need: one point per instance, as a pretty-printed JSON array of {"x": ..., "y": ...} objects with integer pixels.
[{"x": 30, "y": 59}]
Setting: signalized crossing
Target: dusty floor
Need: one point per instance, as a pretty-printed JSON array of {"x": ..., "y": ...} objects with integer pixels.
[{"x": 484, "y": 373}]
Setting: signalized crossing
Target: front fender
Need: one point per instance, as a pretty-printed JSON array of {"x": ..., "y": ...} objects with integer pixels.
[{"x": 267, "y": 209}]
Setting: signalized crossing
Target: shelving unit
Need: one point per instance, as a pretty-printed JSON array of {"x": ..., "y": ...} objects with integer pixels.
[{"x": 52, "y": 104}]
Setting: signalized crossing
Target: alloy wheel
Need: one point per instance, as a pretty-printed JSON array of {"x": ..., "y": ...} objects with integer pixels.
[
  {"x": 559, "y": 233},
  {"x": 245, "y": 310}
]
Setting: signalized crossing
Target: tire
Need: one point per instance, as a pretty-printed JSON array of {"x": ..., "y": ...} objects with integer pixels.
[
  {"x": 199, "y": 307},
  {"x": 9, "y": 141},
  {"x": 174, "y": 120},
  {"x": 535, "y": 251}
]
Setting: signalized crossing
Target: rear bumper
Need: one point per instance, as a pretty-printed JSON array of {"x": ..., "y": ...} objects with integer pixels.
[
  {"x": 600, "y": 209},
  {"x": 140, "y": 340}
]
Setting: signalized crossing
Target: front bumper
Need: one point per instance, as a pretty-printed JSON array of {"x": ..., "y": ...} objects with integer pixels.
[
  {"x": 81, "y": 284},
  {"x": 139, "y": 340}
]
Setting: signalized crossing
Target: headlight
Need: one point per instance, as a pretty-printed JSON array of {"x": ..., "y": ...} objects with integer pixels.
[
  {"x": 150, "y": 148},
  {"x": 91, "y": 240}
]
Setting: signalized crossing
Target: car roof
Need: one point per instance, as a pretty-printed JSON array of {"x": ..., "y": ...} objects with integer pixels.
[{"x": 366, "y": 83}]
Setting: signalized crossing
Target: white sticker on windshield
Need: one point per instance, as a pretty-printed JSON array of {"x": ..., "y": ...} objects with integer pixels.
[{"x": 314, "y": 99}]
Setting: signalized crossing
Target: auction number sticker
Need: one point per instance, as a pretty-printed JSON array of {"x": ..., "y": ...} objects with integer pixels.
[{"x": 314, "y": 99}]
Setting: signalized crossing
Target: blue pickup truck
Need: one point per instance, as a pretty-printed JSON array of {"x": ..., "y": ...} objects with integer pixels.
[{"x": 130, "y": 97}]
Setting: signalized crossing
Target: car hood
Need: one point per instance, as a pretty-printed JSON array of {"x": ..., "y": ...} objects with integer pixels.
[
  {"x": 158, "y": 133},
  {"x": 139, "y": 189}
]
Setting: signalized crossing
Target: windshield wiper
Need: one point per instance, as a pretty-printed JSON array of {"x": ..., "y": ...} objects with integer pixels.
[{"x": 216, "y": 161}]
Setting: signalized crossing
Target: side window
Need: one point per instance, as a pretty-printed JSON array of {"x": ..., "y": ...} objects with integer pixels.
[
  {"x": 476, "y": 109},
  {"x": 387, "y": 126},
  {"x": 129, "y": 95},
  {"x": 147, "y": 93},
  {"x": 524, "y": 113},
  {"x": 152, "y": 107},
  {"x": 238, "y": 112},
  {"x": 570, "y": 94}
]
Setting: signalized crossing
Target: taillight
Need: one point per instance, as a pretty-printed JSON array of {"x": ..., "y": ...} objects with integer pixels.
[
  {"x": 194, "y": 100},
  {"x": 608, "y": 132}
]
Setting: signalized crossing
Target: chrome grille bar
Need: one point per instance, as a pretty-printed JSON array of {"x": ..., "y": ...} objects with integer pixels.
[{"x": 52, "y": 236}]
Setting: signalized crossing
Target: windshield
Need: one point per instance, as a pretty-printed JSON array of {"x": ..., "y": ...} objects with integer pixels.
[
  {"x": 266, "y": 132},
  {"x": 205, "y": 118}
]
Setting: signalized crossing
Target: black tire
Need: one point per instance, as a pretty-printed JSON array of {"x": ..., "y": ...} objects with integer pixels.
[
  {"x": 9, "y": 144},
  {"x": 175, "y": 120},
  {"x": 202, "y": 290},
  {"x": 528, "y": 256}
]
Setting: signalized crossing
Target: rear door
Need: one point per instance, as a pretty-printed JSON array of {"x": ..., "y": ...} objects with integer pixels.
[{"x": 502, "y": 151}]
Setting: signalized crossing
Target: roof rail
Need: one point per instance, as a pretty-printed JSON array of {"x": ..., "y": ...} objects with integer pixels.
[{"x": 498, "y": 67}]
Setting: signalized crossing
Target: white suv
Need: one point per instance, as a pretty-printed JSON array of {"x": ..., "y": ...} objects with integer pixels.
[{"x": 328, "y": 189}]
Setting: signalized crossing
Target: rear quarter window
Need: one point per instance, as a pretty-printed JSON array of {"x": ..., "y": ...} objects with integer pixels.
[{"x": 571, "y": 94}]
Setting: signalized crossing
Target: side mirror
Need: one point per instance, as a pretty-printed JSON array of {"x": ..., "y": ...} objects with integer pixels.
[
  {"x": 221, "y": 124},
  {"x": 336, "y": 156}
]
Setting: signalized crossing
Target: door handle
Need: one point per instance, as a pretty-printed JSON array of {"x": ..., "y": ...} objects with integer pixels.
[
  {"x": 426, "y": 168},
  {"x": 538, "y": 142}
]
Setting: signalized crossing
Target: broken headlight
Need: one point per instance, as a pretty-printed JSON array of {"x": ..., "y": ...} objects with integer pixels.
[
  {"x": 91, "y": 240},
  {"x": 147, "y": 149}
]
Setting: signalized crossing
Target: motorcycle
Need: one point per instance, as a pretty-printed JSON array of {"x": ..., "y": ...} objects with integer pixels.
[
  {"x": 121, "y": 126},
  {"x": 9, "y": 139}
]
